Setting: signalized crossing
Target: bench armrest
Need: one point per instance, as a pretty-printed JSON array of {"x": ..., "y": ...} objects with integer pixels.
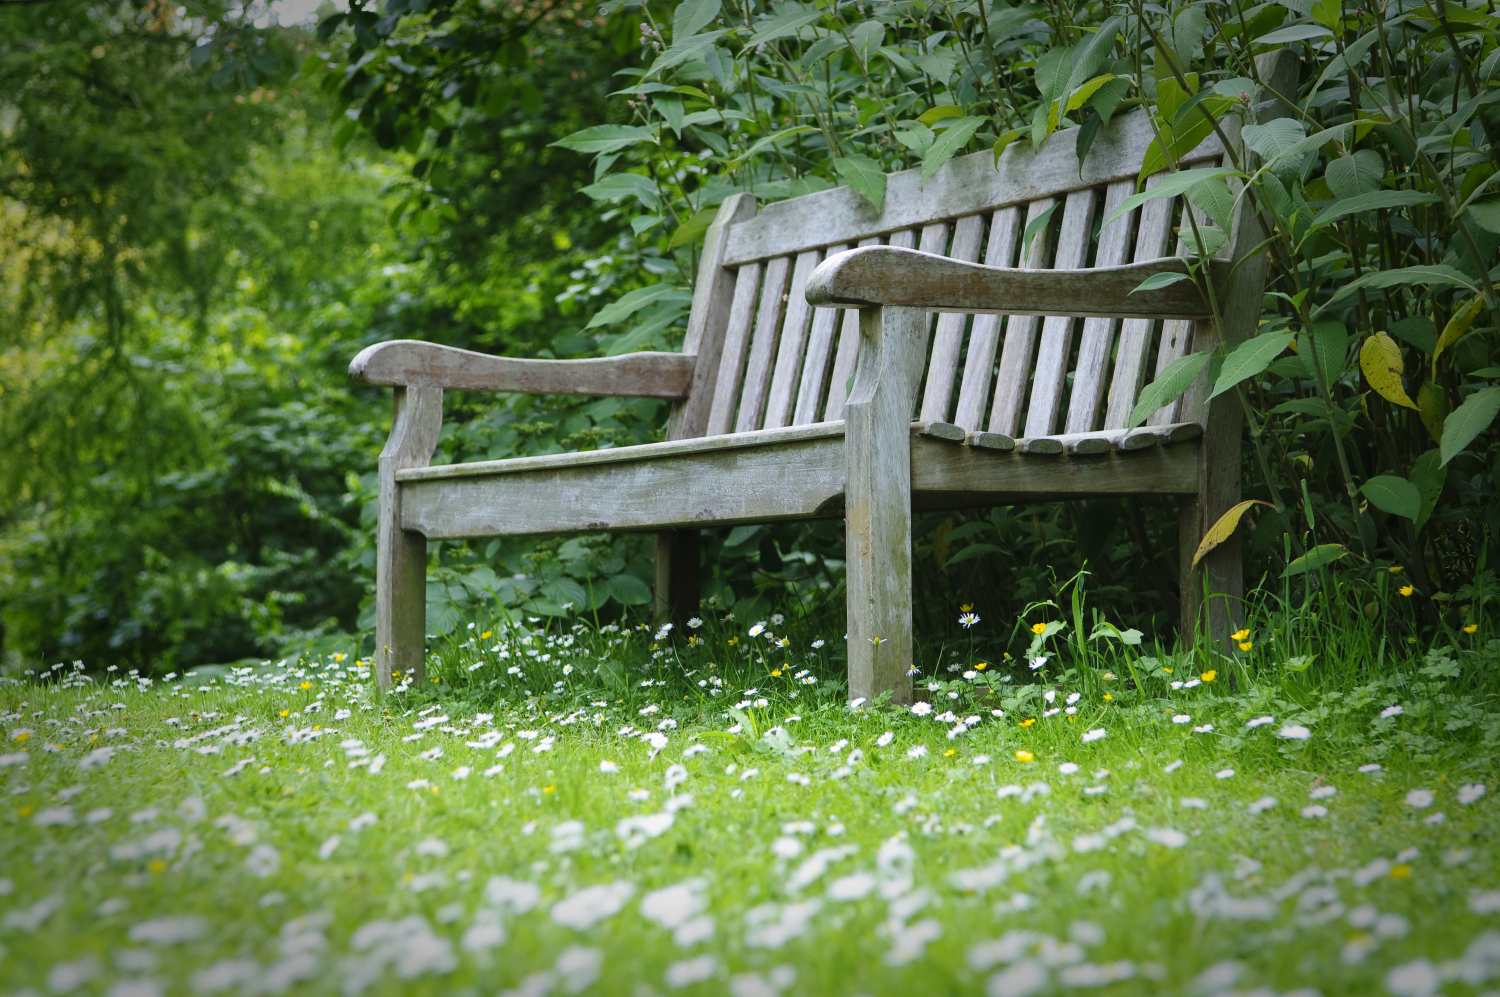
[
  {"x": 885, "y": 275},
  {"x": 413, "y": 363}
]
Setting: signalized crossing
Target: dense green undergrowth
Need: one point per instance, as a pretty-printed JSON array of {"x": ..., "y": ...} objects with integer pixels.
[{"x": 618, "y": 810}]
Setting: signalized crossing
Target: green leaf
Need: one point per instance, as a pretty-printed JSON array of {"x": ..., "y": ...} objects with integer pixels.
[
  {"x": 1293, "y": 33},
  {"x": 634, "y": 301},
  {"x": 1357, "y": 173},
  {"x": 691, "y": 16},
  {"x": 1330, "y": 341},
  {"x": 916, "y": 136},
  {"x": 865, "y": 176},
  {"x": 1249, "y": 359},
  {"x": 1270, "y": 140},
  {"x": 936, "y": 114},
  {"x": 1187, "y": 34},
  {"x": 865, "y": 39},
  {"x": 1319, "y": 557},
  {"x": 1038, "y": 224},
  {"x": 1428, "y": 475},
  {"x": 1086, "y": 91},
  {"x": 606, "y": 138},
  {"x": 1170, "y": 186},
  {"x": 1051, "y": 73},
  {"x": 1370, "y": 202},
  {"x": 1168, "y": 386},
  {"x": 628, "y": 590},
  {"x": 692, "y": 230},
  {"x": 683, "y": 51},
  {"x": 1293, "y": 153},
  {"x": 947, "y": 144},
  {"x": 621, "y": 185},
  {"x": 1215, "y": 199},
  {"x": 1184, "y": 136},
  {"x": 1160, "y": 280},
  {"x": 1351, "y": 56},
  {"x": 1468, "y": 421},
  {"x": 1091, "y": 54},
  {"x": 1486, "y": 212},
  {"x": 1435, "y": 275},
  {"x": 972, "y": 551},
  {"x": 787, "y": 24},
  {"x": 768, "y": 141},
  {"x": 1394, "y": 495},
  {"x": 670, "y": 109}
]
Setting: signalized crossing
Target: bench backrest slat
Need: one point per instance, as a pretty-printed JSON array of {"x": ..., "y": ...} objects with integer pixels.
[
  {"x": 825, "y": 324},
  {"x": 1057, "y": 331},
  {"x": 1020, "y": 330},
  {"x": 1090, "y": 374},
  {"x": 984, "y": 338},
  {"x": 843, "y": 361},
  {"x": 763, "y": 346},
  {"x": 736, "y": 346},
  {"x": 948, "y": 341},
  {"x": 1152, "y": 233},
  {"x": 793, "y": 344}
]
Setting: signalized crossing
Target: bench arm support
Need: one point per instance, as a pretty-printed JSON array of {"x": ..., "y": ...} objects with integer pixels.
[
  {"x": 885, "y": 275},
  {"x": 412, "y": 363}
]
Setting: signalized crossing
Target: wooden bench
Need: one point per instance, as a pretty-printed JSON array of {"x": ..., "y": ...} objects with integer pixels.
[{"x": 815, "y": 381}]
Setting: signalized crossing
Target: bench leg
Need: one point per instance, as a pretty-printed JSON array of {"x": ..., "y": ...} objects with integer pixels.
[
  {"x": 877, "y": 501},
  {"x": 677, "y": 581},
  {"x": 401, "y": 555},
  {"x": 1220, "y": 574}
]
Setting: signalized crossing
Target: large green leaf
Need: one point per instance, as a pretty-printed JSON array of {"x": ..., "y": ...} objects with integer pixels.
[
  {"x": 691, "y": 16},
  {"x": 1187, "y": 34},
  {"x": 1358, "y": 173},
  {"x": 1370, "y": 202},
  {"x": 1435, "y": 275},
  {"x": 620, "y": 185},
  {"x": 1249, "y": 359},
  {"x": 1170, "y": 186},
  {"x": 634, "y": 301},
  {"x": 1319, "y": 557},
  {"x": 1394, "y": 495},
  {"x": 606, "y": 138},
  {"x": 947, "y": 144},
  {"x": 628, "y": 590},
  {"x": 865, "y": 176},
  {"x": 972, "y": 551},
  {"x": 1293, "y": 33},
  {"x": 1428, "y": 475},
  {"x": 865, "y": 39},
  {"x": 1168, "y": 386},
  {"x": 1468, "y": 421},
  {"x": 1274, "y": 137},
  {"x": 1486, "y": 212},
  {"x": 683, "y": 51},
  {"x": 787, "y": 24}
]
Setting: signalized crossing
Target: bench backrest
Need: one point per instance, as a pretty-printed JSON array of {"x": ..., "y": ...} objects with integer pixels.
[{"x": 767, "y": 359}]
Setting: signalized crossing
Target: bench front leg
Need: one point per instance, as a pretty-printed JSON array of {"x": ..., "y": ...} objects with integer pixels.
[
  {"x": 401, "y": 555},
  {"x": 877, "y": 500}
]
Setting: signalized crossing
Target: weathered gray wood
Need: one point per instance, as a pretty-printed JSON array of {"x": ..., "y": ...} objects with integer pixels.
[
  {"x": 966, "y": 185},
  {"x": 790, "y": 478},
  {"x": 905, "y": 278},
  {"x": 1103, "y": 441},
  {"x": 984, "y": 338},
  {"x": 979, "y": 476},
  {"x": 736, "y": 348},
  {"x": 810, "y": 387},
  {"x": 708, "y": 322},
  {"x": 1176, "y": 334},
  {"x": 843, "y": 362},
  {"x": 676, "y": 595},
  {"x": 793, "y": 344},
  {"x": 763, "y": 346},
  {"x": 877, "y": 500},
  {"x": 1221, "y": 572},
  {"x": 401, "y": 555},
  {"x": 948, "y": 340},
  {"x": 991, "y": 441},
  {"x": 1099, "y": 333},
  {"x": 1135, "y": 333},
  {"x": 1013, "y": 376},
  {"x": 413, "y": 363},
  {"x": 1056, "y": 344},
  {"x": 940, "y": 430}
]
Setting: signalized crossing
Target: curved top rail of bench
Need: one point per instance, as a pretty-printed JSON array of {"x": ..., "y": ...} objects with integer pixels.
[{"x": 414, "y": 363}]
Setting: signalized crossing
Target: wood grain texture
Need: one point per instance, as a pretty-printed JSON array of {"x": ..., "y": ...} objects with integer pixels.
[
  {"x": 966, "y": 185},
  {"x": 414, "y": 363},
  {"x": 708, "y": 322},
  {"x": 843, "y": 361},
  {"x": 909, "y": 279},
  {"x": 793, "y": 346},
  {"x": 1103, "y": 441},
  {"x": 979, "y": 476},
  {"x": 736, "y": 348},
  {"x": 811, "y": 386},
  {"x": 1056, "y": 345},
  {"x": 1152, "y": 235},
  {"x": 757, "y": 378},
  {"x": 1099, "y": 333},
  {"x": 984, "y": 337},
  {"x": 1014, "y": 373},
  {"x": 877, "y": 500},
  {"x": 786, "y": 478},
  {"x": 948, "y": 340},
  {"x": 401, "y": 555}
]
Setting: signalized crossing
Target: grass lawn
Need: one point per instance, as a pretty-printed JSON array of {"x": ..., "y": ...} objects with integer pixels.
[{"x": 685, "y": 820}]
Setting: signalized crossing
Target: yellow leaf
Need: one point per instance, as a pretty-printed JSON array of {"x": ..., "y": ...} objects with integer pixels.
[
  {"x": 1432, "y": 406},
  {"x": 937, "y": 114},
  {"x": 1087, "y": 90},
  {"x": 1456, "y": 327},
  {"x": 1380, "y": 359},
  {"x": 1224, "y": 528}
]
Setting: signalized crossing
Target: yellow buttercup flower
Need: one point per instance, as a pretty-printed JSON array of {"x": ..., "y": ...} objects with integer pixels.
[
  {"x": 1471, "y": 628},
  {"x": 1395, "y": 569},
  {"x": 1405, "y": 590},
  {"x": 1241, "y": 635},
  {"x": 1108, "y": 698},
  {"x": 981, "y": 666},
  {"x": 1246, "y": 645},
  {"x": 776, "y": 672},
  {"x": 305, "y": 685},
  {"x": 1024, "y": 756},
  {"x": 1028, "y": 721},
  {"x": 966, "y": 607},
  {"x": 1400, "y": 871},
  {"x": 1209, "y": 675},
  {"x": 950, "y": 751},
  {"x": 1039, "y": 628},
  {"x": 286, "y": 713}
]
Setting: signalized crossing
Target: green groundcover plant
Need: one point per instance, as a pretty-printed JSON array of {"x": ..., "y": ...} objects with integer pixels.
[{"x": 572, "y": 808}]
